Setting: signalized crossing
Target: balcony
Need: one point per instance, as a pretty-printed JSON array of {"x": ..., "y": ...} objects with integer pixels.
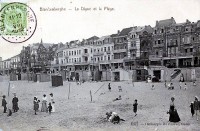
[
  {"x": 172, "y": 45},
  {"x": 158, "y": 45},
  {"x": 98, "y": 54},
  {"x": 132, "y": 48},
  {"x": 127, "y": 59},
  {"x": 119, "y": 50},
  {"x": 85, "y": 54},
  {"x": 108, "y": 52}
]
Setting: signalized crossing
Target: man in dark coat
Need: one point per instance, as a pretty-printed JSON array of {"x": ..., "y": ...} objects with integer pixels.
[
  {"x": 4, "y": 104},
  {"x": 15, "y": 103}
]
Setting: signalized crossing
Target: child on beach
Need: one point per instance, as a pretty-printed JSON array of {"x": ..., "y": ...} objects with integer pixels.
[
  {"x": 152, "y": 87},
  {"x": 4, "y": 104},
  {"x": 135, "y": 107},
  {"x": 185, "y": 86},
  {"x": 109, "y": 87},
  {"x": 49, "y": 108},
  {"x": 192, "y": 108}
]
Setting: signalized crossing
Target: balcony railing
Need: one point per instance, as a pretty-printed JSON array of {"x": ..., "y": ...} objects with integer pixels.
[
  {"x": 119, "y": 50},
  {"x": 98, "y": 53},
  {"x": 158, "y": 45},
  {"x": 85, "y": 54},
  {"x": 133, "y": 48}
]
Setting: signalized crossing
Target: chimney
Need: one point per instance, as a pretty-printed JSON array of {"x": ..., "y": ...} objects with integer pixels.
[
  {"x": 156, "y": 23},
  {"x": 118, "y": 32}
]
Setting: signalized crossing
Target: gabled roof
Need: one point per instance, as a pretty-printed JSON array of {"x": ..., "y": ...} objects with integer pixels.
[
  {"x": 103, "y": 38},
  {"x": 113, "y": 35},
  {"x": 137, "y": 29},
  {"x": 166, "y": 22},
  {"x": 125, "y": 31},
  {"x": 93, "y": 38}
]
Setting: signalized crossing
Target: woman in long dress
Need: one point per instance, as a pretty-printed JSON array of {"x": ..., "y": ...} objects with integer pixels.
[
  {"x": 52, "y": 102},
  {"x": 36, "y": 104},
  {"x": 173, "y": 114},
  {"x": 44, "y": 104}
]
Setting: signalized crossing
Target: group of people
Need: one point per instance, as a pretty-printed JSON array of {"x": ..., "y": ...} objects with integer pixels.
[
  {"x": 50, "y": 108},
  {"x": 195, "y": 107},
  {"x": 173, "y": 114},
  {"x": 14, "y": 104}
]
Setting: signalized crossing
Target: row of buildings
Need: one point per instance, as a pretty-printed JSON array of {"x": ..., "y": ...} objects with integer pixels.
[{"x": 114, "y": 56}]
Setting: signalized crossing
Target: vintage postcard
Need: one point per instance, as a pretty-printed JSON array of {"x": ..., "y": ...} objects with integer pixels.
[{"x": 99, "y": 65}]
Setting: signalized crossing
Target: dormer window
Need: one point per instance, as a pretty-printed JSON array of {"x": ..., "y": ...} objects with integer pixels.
[
  {"x": 162, "y": 30},
  {"x": 155, "y": 31}
]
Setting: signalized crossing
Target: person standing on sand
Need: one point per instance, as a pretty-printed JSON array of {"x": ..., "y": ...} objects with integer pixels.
[
  {"x": 173, "y": 114},
  {"x": 135, "y": 104},
  {"x": 44, "y": 104},
  {"x": 109, "y": 87},
  {"x": 192, "y": 108},
  {"x": 52, "y": 102},
  {"x": 196, "y": 106},
  {"x": 4, "y": 104},
  {"x": 50, "y": 108},
  {"x": 15, "y": 103},
  {"x": 36, "y": 104},
  {"x": 185, "y": 86}
]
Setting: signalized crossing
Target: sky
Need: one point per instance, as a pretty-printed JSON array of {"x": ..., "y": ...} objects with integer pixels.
[{"x": 71, "y": 24}]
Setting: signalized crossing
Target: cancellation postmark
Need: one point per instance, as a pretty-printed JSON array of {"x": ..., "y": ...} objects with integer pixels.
[{"x": 18, "y": 22}]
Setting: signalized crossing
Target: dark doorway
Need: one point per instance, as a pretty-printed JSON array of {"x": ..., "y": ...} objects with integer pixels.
[{"x": 157, "y": 74}]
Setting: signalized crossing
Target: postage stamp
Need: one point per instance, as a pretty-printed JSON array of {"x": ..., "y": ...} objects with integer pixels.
[{"x": 18, "y": 22}]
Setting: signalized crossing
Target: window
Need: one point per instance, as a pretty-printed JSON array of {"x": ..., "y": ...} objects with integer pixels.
[
  {"x": 188, "y": 39},
  {"x": 155, "y": 31},
  {"x": 85, "y": 51},
  {"x": 75, "y": 60},
  {"x": 158, "y": 41},
  {"x": 185, "y": 50},
  {"x": 95, "y": 59},
  {"x": 79, "y": 52},
  {"x": 101, "y": 49},
  {"x": 98, "y": 49},
  {"x": 193, "y": 38},
  {"x": 79, "y": 59},
  {"x": 162, "y": 30},
  {"x": 94, "y": 50},
  {"x": 104, "y": 57},
  {"x": 176, "y": 42},
  {"x": 69, "y": 53},
  {"x": 109, "y": 57},
  {"x": 183, "y": 40},
  {"x": 186, "y": 29},
  {"x": 91, "y": 58},
  {"x": 91, "y": 50},
  {"x": 101, "y": 58},
  {"x": 98, "y": 59},
  {"x": 191, "y": 49},
  {"x": 155, "y": 42},
  {"x": 72, "y": 54},
  {"x": 132, "y": 45},
  {"x": 162, "y": 41},
  {"x": 72, "y": 59},
  {"x": 104, "y": 49},
  {"x": 156, "y": 52},
  {"x": 108, "y": 48}
]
